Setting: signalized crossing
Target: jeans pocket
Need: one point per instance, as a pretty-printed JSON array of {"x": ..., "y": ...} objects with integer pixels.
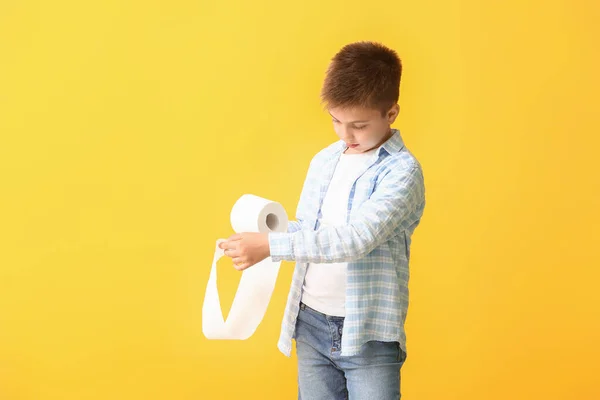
[{"x": 401, "y": 353}]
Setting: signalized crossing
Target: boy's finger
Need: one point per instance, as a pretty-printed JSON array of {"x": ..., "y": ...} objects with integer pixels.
[
  {"x": 241, "y": 267},
  {"x": 228, "y": 245},
  {"x": 231, "y": 252},
  {"x": 237, "y": 236}
]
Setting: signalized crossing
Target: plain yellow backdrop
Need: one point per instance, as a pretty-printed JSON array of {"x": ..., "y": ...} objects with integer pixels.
[{"x": 129, "y": 128}]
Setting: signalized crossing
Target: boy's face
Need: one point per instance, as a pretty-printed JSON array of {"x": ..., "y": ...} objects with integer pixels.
[{"x": 362, "y": 129}]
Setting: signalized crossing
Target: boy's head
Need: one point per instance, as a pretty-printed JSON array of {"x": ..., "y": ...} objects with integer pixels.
[{"x": 361, "y": 92}]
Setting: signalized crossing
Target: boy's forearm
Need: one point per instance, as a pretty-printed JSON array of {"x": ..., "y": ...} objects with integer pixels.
[
  {"x": 327, "y": 245},
  {"x": 294, "y": 226},
  {"x": 393, "y": 206}
]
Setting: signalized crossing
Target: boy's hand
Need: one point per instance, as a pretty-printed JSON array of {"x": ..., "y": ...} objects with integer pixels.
[{"x": 246, "y": 249}]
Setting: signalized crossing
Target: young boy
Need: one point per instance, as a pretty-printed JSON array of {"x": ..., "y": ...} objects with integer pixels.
[{"x": 363, "y": 197}]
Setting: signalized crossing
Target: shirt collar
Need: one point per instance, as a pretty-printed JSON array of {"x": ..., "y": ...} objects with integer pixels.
[{"x": 394, "y": 144}]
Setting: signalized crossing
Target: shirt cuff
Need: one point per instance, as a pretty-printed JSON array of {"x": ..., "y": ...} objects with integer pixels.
[{"x": 281, "y": 246}]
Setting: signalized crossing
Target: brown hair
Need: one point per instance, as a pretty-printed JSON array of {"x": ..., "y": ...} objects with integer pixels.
[{"x": 363, "y": 74}]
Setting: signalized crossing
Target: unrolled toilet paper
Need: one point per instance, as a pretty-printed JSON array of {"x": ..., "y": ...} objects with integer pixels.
[{"x": 250, "y": 213}]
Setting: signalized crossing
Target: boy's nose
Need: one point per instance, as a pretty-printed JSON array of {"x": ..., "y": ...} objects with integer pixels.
[
  {"x": 343, "y": 133},
  {"x": 347, "y": 137}
]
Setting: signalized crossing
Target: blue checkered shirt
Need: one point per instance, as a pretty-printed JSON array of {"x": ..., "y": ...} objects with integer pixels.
[{"x": 385, "y": 206}]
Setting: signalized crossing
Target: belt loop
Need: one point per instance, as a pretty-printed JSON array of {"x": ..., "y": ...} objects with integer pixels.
[{"x": 302, "y": 306}]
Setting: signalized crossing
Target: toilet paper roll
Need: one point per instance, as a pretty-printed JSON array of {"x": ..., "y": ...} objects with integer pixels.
[
  {"x": 250, "y": 213},
  {"x": 256, "y": 214}
]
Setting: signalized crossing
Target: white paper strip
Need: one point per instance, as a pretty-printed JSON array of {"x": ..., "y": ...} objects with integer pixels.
[{"x": 249, "y": 214}]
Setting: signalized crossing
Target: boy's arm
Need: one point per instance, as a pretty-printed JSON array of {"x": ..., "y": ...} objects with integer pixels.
[
  {"x": 294, "y": 226},
  {"x": 392, "y": 204}
]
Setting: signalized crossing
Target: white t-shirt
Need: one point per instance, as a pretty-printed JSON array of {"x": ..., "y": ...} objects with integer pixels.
[{"x": 324, "y": 286}]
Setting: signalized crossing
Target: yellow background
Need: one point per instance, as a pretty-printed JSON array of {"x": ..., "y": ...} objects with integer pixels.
[{"x": 128, "y": 130}]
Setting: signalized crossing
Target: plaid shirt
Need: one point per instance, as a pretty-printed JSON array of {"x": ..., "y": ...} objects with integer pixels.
[{"x": 384, "y": 208}]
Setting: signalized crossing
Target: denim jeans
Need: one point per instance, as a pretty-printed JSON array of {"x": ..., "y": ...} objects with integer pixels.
[{"x": 323, "y": 374}]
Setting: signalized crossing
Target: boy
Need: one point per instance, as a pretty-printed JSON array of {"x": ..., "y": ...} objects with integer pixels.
[{"x": 363, "y": 197}]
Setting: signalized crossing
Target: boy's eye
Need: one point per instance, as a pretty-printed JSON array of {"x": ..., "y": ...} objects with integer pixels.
[{"x": 360, "y": 127}]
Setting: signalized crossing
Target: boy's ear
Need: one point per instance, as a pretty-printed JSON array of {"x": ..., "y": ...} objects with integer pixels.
[{"x": 393, "y": 113}]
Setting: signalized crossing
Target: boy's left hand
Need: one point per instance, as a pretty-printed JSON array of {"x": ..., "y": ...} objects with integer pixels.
[{"x": 246, "y": 249}]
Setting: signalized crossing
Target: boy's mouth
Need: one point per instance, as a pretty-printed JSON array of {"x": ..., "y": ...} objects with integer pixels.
[{"x": 352, "y": 146}]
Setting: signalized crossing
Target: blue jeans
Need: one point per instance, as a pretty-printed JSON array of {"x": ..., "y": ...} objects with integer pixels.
[{"x": 373, "y": 374}]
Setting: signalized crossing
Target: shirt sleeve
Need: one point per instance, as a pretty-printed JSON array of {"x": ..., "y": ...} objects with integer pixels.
[
  {"x": 298, "y": 224},
  {"x": 393, "y": 204},
  {"x": 294, "y": 226}
]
